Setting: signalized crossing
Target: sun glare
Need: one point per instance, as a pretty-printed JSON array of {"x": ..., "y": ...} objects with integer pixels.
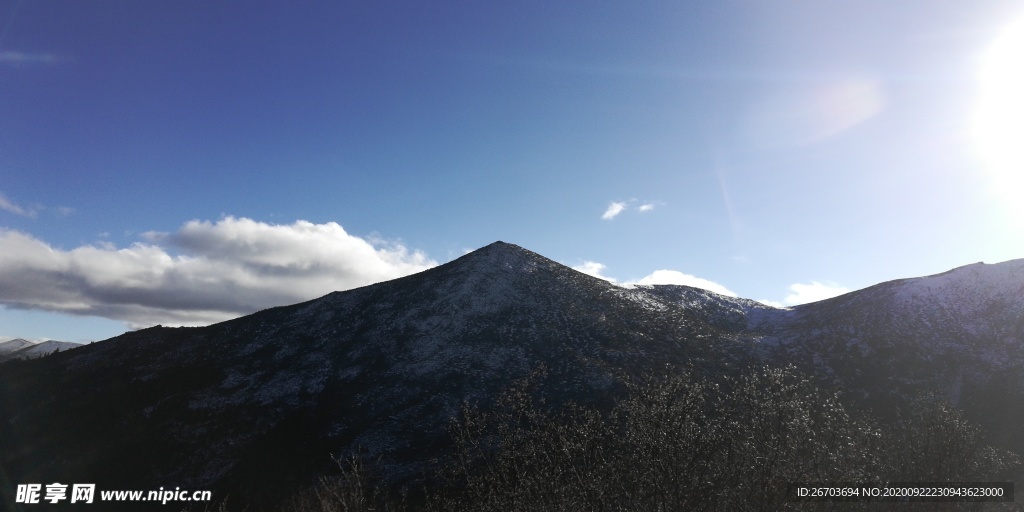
[{"x": 999, "y": 119}]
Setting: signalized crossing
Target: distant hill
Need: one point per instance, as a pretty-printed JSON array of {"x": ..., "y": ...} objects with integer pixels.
[
  {"x": 14, "y": 345},
  {"x": 255, "y": 407},
  {"x": 44, "y": 348},
  {"x": 24, "y": 349}
]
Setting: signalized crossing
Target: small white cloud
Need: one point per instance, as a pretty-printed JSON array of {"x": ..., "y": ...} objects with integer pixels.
[
  {"x": 614, "y": 209},
  {"x": 676, "y": 277},
  {"x": 813, "y": 292},
  {"x": 34, "y": 209},
  {"x": 12, "y": 57},
  {"x": 151, "y": 236},
  {"x": 617, "y": 207},
  {"x": 10, "y": 206},
  {"x": 593, "y": 268},
  {"x": 772, "y": 303}
]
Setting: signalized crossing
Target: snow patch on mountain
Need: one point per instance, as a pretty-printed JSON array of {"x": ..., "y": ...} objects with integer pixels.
[
  {"x": 24, "y": 349},
  {"x": 969, "y": 295},
  {"x": 14, "y": 345}
]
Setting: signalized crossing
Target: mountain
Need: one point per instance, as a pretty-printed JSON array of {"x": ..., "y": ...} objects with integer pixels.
[
  {"x": 255, "y": 407},
  {"x": 262, "y": 401},
  {"x": 24, "y": 349},
  {"x": 959, "y": 334},
  {"x": 33, "y": 350},
  {"x": 11, "y": 346}
]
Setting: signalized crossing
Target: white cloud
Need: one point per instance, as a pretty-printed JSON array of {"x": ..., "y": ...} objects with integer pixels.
[
  {"x": 806, "y": 293},
  {"x": 12, "y": 57},
  {"x": 676, "y": 277},
  {"x": 615, "y": 208},
  {"x": 10, "y": 206},
  {"x": 221, "y": 270},
  {"x": 593, "y": 268}
]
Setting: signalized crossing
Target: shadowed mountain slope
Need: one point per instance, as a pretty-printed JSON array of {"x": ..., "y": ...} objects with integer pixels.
[
  {"x": 255, "y": 407},
  {"x": 259, "y": 403},
  {"x": 959, "y": 334}
]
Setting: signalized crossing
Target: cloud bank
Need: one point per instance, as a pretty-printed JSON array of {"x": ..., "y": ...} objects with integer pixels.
[
  {"x": 676, "y": 277},
  {"x": 799, "y": 293},
  {"x": 202, "y": 273}
]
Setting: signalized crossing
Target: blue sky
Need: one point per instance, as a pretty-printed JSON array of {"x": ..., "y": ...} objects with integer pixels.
[{"x": 186, "y": 162}]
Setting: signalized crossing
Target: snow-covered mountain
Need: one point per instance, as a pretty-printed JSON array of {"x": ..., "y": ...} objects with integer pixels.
[
  {"x": 24, "y": 349},
  {"x": 14, "y": 345},
  {"x": 44, "y": 348},
  {"x": 256, "y": 406}
]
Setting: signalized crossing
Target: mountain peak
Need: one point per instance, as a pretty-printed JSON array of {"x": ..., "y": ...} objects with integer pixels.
[
  {"x": 503, "y": 255},
  {"x": 500, "y": 244},
  {"x": 11, "y": 346},
  {"x": 504, "y": 247}
]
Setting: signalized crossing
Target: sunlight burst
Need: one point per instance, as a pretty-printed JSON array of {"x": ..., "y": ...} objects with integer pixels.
[{"x": 999, "y": 119}]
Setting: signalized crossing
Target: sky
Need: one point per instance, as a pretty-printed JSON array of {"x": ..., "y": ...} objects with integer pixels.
[{"x": 188, "y": 162}]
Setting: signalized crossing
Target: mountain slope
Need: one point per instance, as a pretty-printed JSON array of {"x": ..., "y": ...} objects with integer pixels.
[
  {"x": 11, "y": 346},
  {"x": 259, "y": 403},
  {"x": 42, "y": 349},
  {"x": 255, "y": 406},
  {"x": 959, "y": 334}
]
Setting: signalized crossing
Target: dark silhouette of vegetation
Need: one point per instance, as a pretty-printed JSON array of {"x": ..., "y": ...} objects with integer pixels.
[
  {"x": 349, "y": 491},
  {"x": 676, "y": 442}
]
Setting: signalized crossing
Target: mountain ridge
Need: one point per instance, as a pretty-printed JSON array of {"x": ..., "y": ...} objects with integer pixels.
[
  {"x": 10, "y": 346},
  {"x": 20, "y": 348},
  {"x": 265, "y": 400}
]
